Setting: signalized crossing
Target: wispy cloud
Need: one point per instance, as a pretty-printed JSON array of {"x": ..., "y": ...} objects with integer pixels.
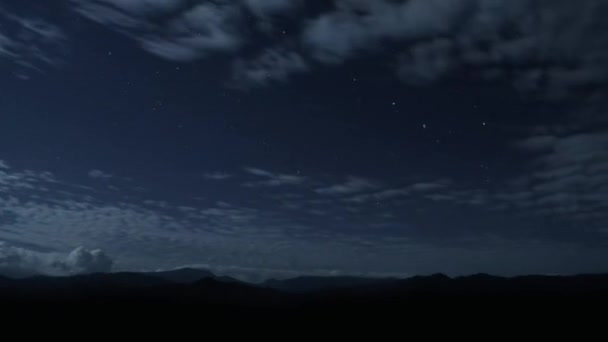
[
  {"x": 415, "y": 189},
  {"x": 98, "y": 174},
  {"x": 272, "y": 65},
  {"x": 217, "y": 176},
  {"x": 192, "y": 31},
  {"x": 351, "y": 186},
  {"x": 29, "y": 42},
  {"x": 273, "y": 179},
  {"x": 379, "y": 196},
  {"x": 569, "y": 177}
]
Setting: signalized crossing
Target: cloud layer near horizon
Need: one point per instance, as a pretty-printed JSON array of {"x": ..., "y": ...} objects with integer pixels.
[{"x": 21, "y": 262}]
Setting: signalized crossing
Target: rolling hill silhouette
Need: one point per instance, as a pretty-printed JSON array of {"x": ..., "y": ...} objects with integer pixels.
[{"x": 179, "y": 292}]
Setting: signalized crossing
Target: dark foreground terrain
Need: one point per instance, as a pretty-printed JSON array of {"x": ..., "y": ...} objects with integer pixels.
[{"x": 192, "y": 295}]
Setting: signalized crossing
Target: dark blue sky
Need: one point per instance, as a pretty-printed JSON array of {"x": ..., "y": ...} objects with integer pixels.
[{"x": 285, "y": 137}]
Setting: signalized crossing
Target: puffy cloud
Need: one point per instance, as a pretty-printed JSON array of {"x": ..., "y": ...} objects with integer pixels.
[
  {"x": 20, "y": 262},
  {"x": 82, "y": 260}
]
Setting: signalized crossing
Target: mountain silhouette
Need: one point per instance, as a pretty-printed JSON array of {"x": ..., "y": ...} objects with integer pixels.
[
  {"x": 195, "y": 295},
  {"x": 185, "y": 275}
]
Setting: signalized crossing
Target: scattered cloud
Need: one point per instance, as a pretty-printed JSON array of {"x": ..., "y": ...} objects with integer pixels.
[
  {"x": 522, "y": 42},
  {"x": 218, "y": 176},
  {"x": 98, "y": 174},
  {"x": 569, "y": 176},
  {"x": 525, "y": 41},
  {"x": 4, "y": 165},
  {"x": 351, "y": 186},
  {"x": 20, "y": 262},
  {"x": 272, "y": 179},
  {"x": 40, "y": 210}
]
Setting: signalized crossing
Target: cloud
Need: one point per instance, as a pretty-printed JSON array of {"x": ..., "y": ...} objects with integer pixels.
[
  {"x": 82, "y": 260},
  {"x": 273, "y": 179},
  {"x": 4, "y": 165},
  {"x": 392, "y": 193},
  {"x": 524, "y": 41},
  {"x": 440, "y": 197},
  {"x": 20, "y": 262},
  {"x": 263, "y": 8},
  {"x": 566, "y": 178},
  {"x": 272, "y": 65},
  {"x": 98, "y": 174},
  {"x": 355, "y": 26},
  {"x": 176, "y": 30},
  {"x": 569, "y": 176},
  {"x": 30, "y": 43},
  {"x": 50, "y": 214},
  {"x": 217, "y": 176},
  {"x": 351, "y": 186},
  {"x": 425, "y": 187}
]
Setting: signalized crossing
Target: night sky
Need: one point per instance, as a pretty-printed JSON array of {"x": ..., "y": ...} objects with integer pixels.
[{"x": 262, "y": 138}]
